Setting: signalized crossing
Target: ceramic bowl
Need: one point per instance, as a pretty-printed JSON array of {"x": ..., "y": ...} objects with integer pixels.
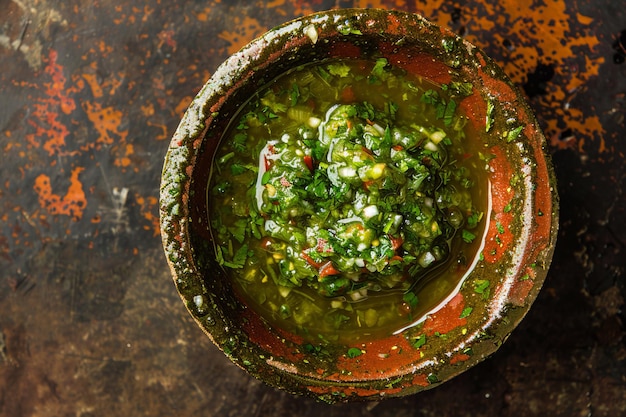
[{"x": 474, "y": 320}]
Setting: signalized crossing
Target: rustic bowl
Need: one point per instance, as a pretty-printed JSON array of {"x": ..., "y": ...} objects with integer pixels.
[{"x": 475, "y": 320}]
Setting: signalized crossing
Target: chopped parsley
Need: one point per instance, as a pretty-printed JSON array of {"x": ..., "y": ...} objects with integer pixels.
[
  {"x": 419, "y": 342},
  {"x": 354, "y": 352},
  {"x": 466, "y": 312},
  {"x": 513, "y": 134}
]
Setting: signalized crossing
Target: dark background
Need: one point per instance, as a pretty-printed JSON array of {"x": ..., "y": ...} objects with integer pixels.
[{"x": 90, "y": 323}]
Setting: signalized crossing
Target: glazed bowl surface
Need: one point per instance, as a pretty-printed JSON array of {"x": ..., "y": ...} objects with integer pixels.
[{"x": 474, "y": 320}]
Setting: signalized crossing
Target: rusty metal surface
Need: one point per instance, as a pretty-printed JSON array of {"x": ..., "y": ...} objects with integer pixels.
[{"x": 90, "y": 323}]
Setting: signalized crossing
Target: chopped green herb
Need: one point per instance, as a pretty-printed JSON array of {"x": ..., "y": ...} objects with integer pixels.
[
  {"x": 391, "y": 384},
  {"x": 323, "y": 73},
  {"x": 481, "y": 286},
  {"x": 295, "y": 94},
  {"x": 461, "y": 88},
  {"x": 466, "y": 312},
  {"x": 339, "y": 69},
  {"x": 379, "y": 68},
  {"x": 444, "y": 109},
  {"x": 239, "y": 141},
  {"x": 239, "y": 259},
  {"x": 468, "y": 237},
  {"x": 419, "y": 342},
  {"x": 347, "y": 29},
  {"x": 474, "y": 219},
  {"x": 237, "y": 169},
  {"x": 489, "y": 118},
  {"x": 221, "y": 187},
  {"x": 448, "y": 115},
  {"x": 238, "y": 230},
  {"x": 448, "y": 44},
  {"x": 411, "y": 299},
  {"x": 513, "y": 134},
  {"x": 354, "y": 352}
]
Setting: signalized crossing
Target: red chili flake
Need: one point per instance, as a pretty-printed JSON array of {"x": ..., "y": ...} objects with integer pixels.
[
  {"x": 266, "y": 243},
  {"x": 310, "y": 260},
  {"x": 328, "y": 269},
  {"x": 367, "y": 184},
  {"x": 267, "y": 163},
  {"x": 308, "y": 160},
  {"x": 396, "y": 242}
]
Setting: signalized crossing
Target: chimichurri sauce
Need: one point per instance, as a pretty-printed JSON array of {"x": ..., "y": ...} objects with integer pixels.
[{"x": 347, "y": 199}]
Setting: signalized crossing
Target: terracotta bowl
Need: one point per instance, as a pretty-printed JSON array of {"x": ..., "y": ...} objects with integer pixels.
[{"x": 474, "y": 320}]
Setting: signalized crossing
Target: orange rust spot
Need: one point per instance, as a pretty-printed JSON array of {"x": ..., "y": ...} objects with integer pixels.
[
  {"x": 301, "y": 8},
  {"x": 163, "y": 135},
  {"x": 446, "y": 319},
  {"x": 247, "y": 28},
  {"x": 104, "y": 48},
  {"x": 182, "y": 105},
  {"x": 203, "y": 16},
  {"x": 147, "y": 12},
  {"x": 106, "y": 121},
  {"x": 148, "y": 109},
  {"x": 56, "y": 88},
  {"x": 46, "y": 112},
  {"x": 92, "y": 80},
  {"x": 125, "y": 161},
  {"x": 72, "y": 204},
  {"x": 586, "y": 126},
  {"x": 148, "y": 208},
  {"x": 275, "y": 3},
  {"x": 585, "y": 20},
  {"x": 552, "y": 32}
]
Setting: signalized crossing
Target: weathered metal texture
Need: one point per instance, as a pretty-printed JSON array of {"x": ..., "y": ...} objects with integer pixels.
[{"x": 90, "y": 93}]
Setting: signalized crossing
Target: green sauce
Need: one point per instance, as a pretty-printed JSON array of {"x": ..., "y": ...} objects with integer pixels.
[{"x": 347, "y": 199}]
